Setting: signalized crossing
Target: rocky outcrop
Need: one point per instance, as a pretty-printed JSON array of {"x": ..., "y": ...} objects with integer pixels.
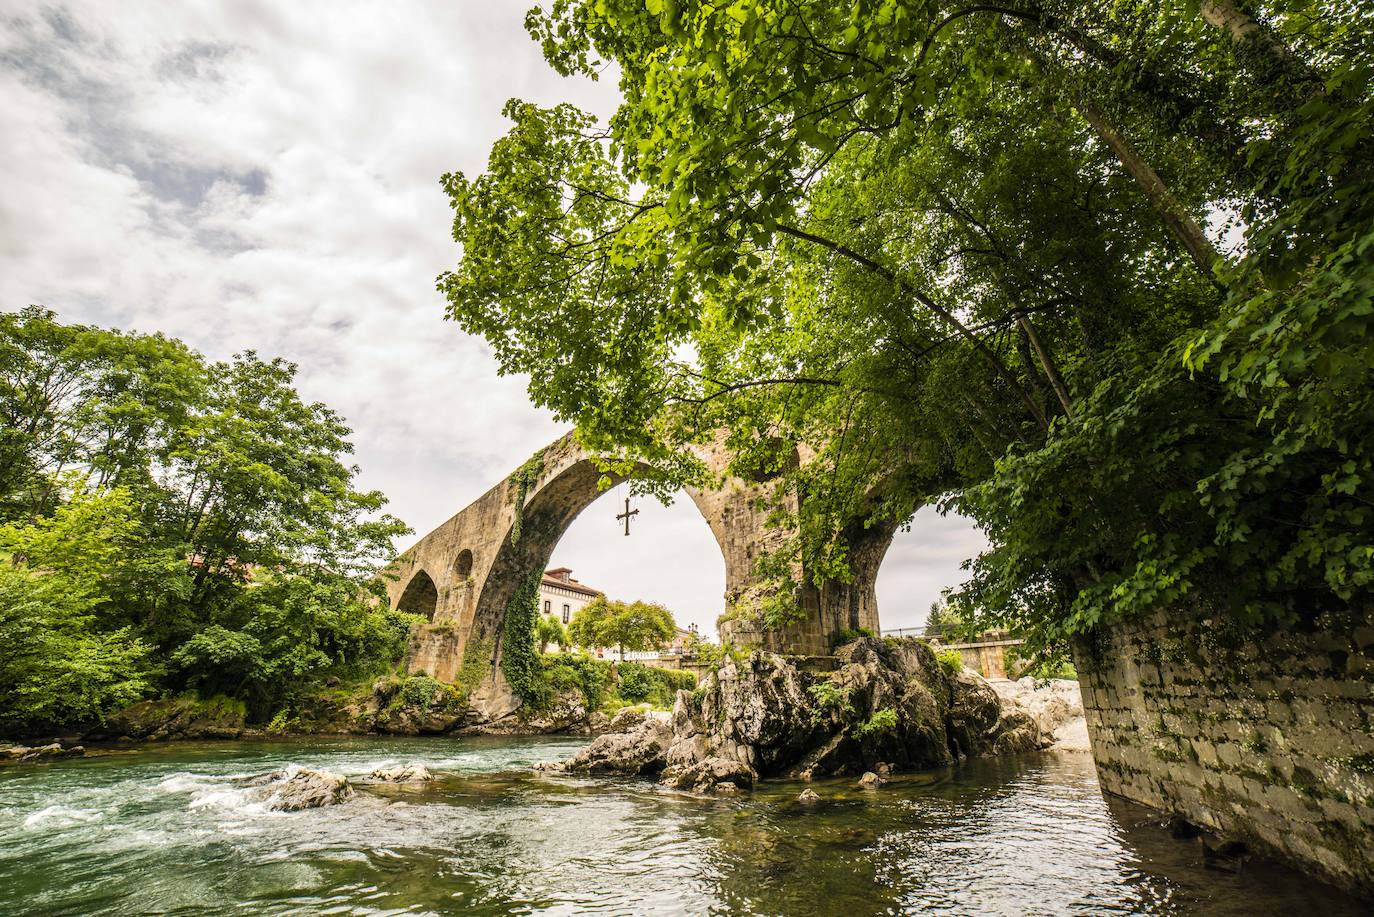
[
  {"x": 295, "y": 789},
  {"x": 185, "y": 717},
  {"x": 24, "y": 754},
  {"x": 1056, "y": 705},
  {"x": 888, "y": 704},
  {"x": 642, "y": 750}
]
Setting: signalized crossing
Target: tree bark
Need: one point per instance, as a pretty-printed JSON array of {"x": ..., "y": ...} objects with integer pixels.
[
  {"x": 1243, "y": 29},
  {"x": 1047, "y": 364},
  {"x": 1180, "y": 223}
]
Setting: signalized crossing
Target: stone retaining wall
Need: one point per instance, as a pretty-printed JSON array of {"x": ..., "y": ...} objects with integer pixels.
[{"x": 1264, "y": 736}]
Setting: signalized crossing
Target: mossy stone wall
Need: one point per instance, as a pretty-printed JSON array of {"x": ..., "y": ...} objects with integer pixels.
[{"x": 1261, "y": 734}]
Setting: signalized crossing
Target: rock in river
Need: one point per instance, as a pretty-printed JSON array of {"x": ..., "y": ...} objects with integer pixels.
[
  {"x": 403, "y": 773},
  {"x": 888, "y": 702},
  {"x": 301, "y": 788}
]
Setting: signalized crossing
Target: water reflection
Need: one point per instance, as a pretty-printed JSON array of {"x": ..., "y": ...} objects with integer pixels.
[{"x": 163, "y": 831}]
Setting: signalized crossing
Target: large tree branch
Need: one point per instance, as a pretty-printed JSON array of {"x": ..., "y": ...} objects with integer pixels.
[{"x": 944, "y": 314}]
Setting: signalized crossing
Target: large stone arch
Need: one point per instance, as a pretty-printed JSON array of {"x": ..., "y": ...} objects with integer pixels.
[
  {"x": 420, "y": 596},
  {"x": 477, "y": 560}
]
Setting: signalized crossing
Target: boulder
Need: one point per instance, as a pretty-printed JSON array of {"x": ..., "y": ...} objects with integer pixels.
[
  {"x": 626, "y": 719},
  {"x": 981, "y": 724},
  {"x": 809, "y": 795},
  {"x": 403, "y": 773},
  {"x": 643, "y": 750},
  {"x": 1056, "y": 706},
  {"x": 25, "y": 753},
  {"x": 871, "y": 780},
  {"x": 1049, "y": 701},
  {"x": 301, "y": 788},
  {"x": 185, "y": 717},
  {"x": 711, "y": 774}
]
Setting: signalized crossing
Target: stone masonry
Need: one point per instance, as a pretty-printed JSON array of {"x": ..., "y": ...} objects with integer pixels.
[
  {"x": 462, "y": 575},
  {"x": 1260, "y": 735}
]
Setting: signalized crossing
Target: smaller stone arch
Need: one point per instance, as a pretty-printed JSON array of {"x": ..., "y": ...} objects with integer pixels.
[
  {"x": 421, "y": 596},
  {"x": 462, "y": 565}
]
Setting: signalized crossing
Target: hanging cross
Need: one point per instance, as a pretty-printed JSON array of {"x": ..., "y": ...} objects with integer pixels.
[{"x": 627, "y": 514}]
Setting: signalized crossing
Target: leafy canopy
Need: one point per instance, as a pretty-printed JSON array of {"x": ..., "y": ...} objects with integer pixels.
[{"x": 1097, "y": 277}]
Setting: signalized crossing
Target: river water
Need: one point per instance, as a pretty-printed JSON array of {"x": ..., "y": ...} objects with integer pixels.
[{"x": 165, "y": 830}]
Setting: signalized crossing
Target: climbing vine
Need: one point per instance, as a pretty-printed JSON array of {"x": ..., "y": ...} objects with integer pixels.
[
  {"x": 526, "y": 476},
  {"x": 519, "y": 658}
]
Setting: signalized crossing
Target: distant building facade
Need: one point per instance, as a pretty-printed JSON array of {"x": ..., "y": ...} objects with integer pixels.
[{"x": 562, "y": 596}]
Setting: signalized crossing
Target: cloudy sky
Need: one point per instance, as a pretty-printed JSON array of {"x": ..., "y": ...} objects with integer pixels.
[{"x": 265, "y": 175}]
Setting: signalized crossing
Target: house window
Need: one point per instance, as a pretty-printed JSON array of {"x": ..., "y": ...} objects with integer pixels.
[
  {"x": 567, "y": 613},
  {"x": 548, "y": 606}
]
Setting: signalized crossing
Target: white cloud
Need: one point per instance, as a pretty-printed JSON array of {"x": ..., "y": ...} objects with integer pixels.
[{"x": 265, "y": 175}]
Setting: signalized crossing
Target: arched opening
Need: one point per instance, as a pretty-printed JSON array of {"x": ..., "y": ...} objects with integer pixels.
[
  {"x": 462, "y": 566},
  {"x": 670, "y": 557},
  {"x": 420, "y": 597},
  {"x": 550, "y": 513},
  {"x": 924, "y": 560}
]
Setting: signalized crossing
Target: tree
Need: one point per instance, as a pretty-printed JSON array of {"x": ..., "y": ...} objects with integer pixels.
[
  {"x": 633, "y": 626},
  {"x": 176, "y": 523},
  {"x": 961, "y": 254},
  {"x": 549, "y": 630},
  {"x": 65, "y": 662}
]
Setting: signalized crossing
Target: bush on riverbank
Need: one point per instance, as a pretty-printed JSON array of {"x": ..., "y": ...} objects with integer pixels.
[
  {"x": 211, "y": 542},
  {"x": 605, "y": 685}
]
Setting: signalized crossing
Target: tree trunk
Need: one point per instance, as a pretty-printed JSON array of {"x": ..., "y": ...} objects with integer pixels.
[
  {"x": 944, "y": 314},
  {"x": 1242, "y": 28},
  {"x": 1047, "y": 364},
  {"x": 1180, "y": 223}
]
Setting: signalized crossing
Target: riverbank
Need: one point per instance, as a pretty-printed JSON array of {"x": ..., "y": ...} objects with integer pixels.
[{"x": 796, "y": 703}]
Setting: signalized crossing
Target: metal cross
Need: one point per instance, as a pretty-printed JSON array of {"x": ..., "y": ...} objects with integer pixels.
[{"x": 627, "y": 514}]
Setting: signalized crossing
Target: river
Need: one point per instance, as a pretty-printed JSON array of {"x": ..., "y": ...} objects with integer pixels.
[{"x": 164, "y": 830}]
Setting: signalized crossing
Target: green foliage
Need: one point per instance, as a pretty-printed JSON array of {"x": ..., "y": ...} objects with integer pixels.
[
  {"x": 426, "y": 693},
  {"x": 526, "y": 477},
  {"x": 549, "y": 630},
  {"x": 955, "y": 255},
  {"x": 635, "y": 681},
  {"x": 67, "y": 658},
  {"x": 951, "y": 661},
  {"x": 880, "y": 723},
  {"x": 714, "y": 655},
  {"x": 650, "y": 683},
  {"x": 832, "y": 701},
  {"x": 519, "y": 656},
  {"x": 605, "y": 685},
  {"x": 561, "y": 672},
  {"x": 212, "y": 537},
  {"x": 849, "y": 635},
  {"x": 631, "y": 626},
  {"x": 476, "y": 666}
]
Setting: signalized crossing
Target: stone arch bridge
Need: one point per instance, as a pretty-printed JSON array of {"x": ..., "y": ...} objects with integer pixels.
[{"x": 462, "y": 575}]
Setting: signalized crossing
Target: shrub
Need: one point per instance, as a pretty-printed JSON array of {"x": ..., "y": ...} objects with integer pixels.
[
  {"x": 831, "y": 700},
  {"x": 950, "y": 661},
  {"x": 849, "y": 635},
  {"x": 635, "y": 681},
  {"x": 881, "y": 722},
  {"x": 424, "y": 692},
  {"x": 650, "y": 683},
  {"x": 561, "y": 672}
]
